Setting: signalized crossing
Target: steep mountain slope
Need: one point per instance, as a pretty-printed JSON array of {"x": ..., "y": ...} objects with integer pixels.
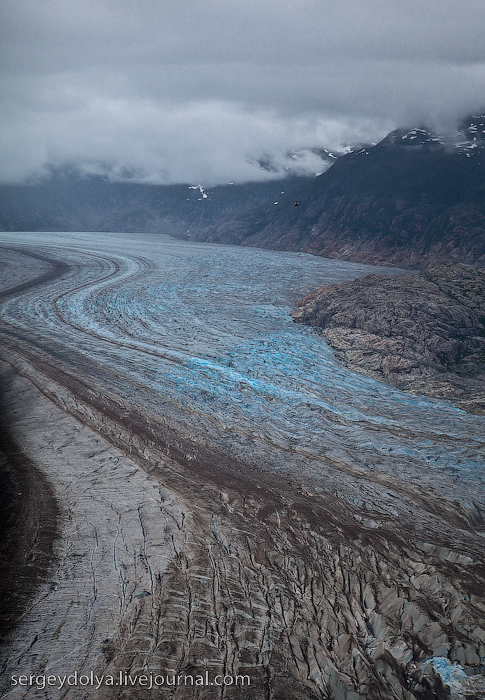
[
  {"x": 68, "y": 201},
  {"x": 411, "y": 200}
]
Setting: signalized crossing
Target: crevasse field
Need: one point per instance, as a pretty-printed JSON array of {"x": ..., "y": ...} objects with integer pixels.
[
  {"x": 209, "y": 328},
  {"x": 198, "y": 340}
]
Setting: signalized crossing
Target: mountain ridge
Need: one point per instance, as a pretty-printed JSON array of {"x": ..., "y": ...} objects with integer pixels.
[
  {"x": 411, "y": 200},
  {"x": 414, "y": 199},
  {"x": 67, "y": 200}
]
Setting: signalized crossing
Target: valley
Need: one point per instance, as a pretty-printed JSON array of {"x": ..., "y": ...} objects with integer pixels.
[{"x": 230, "y": 498}]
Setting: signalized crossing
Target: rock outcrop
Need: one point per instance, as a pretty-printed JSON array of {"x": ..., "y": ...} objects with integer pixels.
[
  {"x": 424, "y": 333},
  {"x": 320, "y": 544}
]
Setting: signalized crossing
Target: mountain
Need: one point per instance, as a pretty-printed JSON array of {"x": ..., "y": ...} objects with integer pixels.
[
  {"x": 412, "y": 200},
  {"x": 70, "y": 201}
]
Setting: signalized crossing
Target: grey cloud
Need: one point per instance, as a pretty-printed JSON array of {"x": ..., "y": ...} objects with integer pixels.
[{"x": 198, "y": 91}]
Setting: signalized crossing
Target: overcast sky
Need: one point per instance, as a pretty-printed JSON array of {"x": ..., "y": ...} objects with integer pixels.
[{"x": 170, "y": 91}]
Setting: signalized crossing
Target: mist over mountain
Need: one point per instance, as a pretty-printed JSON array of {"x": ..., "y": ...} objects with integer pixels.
[
  {"x": 68, "y": 199},
  {"x": 413, "y": 199},
  {"x": 71, "y": 201}
]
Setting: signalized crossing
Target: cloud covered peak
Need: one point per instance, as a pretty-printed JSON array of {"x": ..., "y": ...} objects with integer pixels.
[{"x": 164, "y": 92}]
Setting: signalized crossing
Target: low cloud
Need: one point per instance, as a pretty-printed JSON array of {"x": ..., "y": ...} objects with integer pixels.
[
  {"x": 161, "y": 92},
  {"x": 208, "y": 142}
]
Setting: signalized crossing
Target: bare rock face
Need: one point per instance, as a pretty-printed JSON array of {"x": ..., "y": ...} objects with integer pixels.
[{"x": 424, "y": 333}]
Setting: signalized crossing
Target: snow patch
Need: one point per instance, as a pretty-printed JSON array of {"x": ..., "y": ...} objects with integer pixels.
[{"x": 201, "y": 190}]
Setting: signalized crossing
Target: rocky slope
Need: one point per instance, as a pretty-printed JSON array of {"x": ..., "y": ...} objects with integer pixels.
[
  {"x": 70, "y": 201},
  {"x": 410, "y": 201},
  {"x": 423, "y": 333}
]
